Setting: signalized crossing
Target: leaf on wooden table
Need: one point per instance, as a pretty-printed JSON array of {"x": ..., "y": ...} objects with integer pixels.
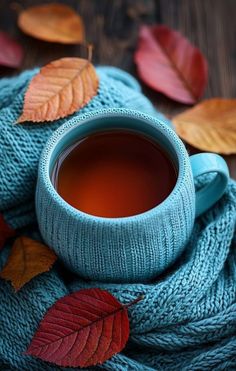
[
  {"x": 27, "y": 259},
  {"x": 5, "y": 231},
  {"x": 209, "y": 126},
  {"x": 59, "y": 89},
  {"x": 170, "y": 64},
  {"x": 52, "y": 22},
  {"x": 11, "y": 52},
  {"x": 82, "y": 329}
]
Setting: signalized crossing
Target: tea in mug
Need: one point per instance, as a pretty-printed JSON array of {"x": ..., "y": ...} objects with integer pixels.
[{"x": 115, "y": 173}]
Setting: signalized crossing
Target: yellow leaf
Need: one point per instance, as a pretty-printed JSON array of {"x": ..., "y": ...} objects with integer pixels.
[
  {"x": 59, "y": 89},
  {"x": 209, "y": 126},
  {"x": 27, "y": 259},
  {"x": 52, "y": 22}
]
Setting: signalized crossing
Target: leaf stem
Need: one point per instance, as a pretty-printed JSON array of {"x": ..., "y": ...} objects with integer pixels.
[
  {"x": 135, "y": 301},
  {"x": 90, "y": 52}
]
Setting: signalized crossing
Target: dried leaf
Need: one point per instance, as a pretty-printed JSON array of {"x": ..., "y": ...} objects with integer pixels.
[
  {"x": 170, "y": 64},
  {"x": 82, "y": 329},
  {"x": 209, "y": 126},
  {"x": 59, "y": 89},
  {"x": 52, "y": 22},
  {"x": 5, "y": 231},
  {"x": 11, "y": 52},
  {"x": 27, "y": 259}
]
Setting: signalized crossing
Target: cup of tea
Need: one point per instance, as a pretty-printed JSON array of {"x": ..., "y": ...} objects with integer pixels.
[{"x": 115, "y": 195}]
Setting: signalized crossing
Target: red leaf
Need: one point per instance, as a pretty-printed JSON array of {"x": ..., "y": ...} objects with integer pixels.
[
  {"x": 170, "y": 64},
  {"x": 82, "y": 329},
  {"x": 11, "y": 53},
  {"x": 5, "y": 232}
]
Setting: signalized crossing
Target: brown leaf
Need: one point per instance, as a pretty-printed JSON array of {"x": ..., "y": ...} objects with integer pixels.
[
  {"x": 27, "y": 259},
  {"x": 209, "y": 126},
  {"x": 52, "y": 22},
  {"x": 59, "y": 89}
]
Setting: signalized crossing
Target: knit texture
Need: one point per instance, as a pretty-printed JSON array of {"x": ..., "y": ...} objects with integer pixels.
[
  {"x": 119, "y": 249},
  {"x": 21, "y": 145},
  {"x": 187, "y": 319}
]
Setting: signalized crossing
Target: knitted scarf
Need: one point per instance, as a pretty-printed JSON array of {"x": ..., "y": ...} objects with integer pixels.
[{"x": 187, "y": 319}]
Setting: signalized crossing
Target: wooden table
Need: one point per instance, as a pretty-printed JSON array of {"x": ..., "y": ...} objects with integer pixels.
[{"x": 112, "y": 26}]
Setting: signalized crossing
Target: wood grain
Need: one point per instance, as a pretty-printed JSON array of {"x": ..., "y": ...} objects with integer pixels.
[{"x": 112, "y": 26}]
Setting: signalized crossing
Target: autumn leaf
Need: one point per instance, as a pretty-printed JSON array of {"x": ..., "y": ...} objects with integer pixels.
[
  {"x": 170, "y": 64},
  {"x": 82, "y": 329},
  {"x": 5, "y": 231},
  {"x": 52, "y": 22},
  {"x": 11, "y": 52},
  {"x": 209, "y": 126},
  {"x": 59, "y": 89},
  {"x": 27, "y": 259}
]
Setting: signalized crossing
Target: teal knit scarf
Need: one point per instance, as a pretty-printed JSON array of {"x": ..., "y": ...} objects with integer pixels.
[{"x": 187, "y": 319}]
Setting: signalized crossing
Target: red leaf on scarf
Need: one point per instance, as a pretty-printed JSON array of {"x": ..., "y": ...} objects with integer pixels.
[
  {"x": 170, "y": 64},
  {"x": 11, "y": 52},
  {"x": 5, "y": 232},
  {"x": 82, "y": 329}
]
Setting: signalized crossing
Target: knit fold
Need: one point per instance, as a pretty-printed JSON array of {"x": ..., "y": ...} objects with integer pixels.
[
  {"x": 186, "y": 321},
  {"x": 187, "y": 318},
  {"x": 22, "y": 144}
]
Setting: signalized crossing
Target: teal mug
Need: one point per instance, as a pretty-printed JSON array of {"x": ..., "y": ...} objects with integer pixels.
[{"x": 128, "y": 249}]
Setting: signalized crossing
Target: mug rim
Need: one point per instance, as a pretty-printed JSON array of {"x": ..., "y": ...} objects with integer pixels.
[{"x": 72, "y": 124}]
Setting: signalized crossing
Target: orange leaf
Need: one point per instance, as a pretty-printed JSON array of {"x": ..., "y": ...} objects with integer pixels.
[
  {"x": 27, "y": 259},
  {"x": 59, "y": 89},
  {"x": 52, "y": 22},
  {"x": 209, "y": 126}
]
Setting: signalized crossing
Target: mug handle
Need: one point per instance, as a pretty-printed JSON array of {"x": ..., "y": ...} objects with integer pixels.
[{"x": 204, "y": 163}]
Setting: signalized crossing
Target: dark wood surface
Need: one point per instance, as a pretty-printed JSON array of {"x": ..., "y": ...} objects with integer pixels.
[{"x": 112, "y": 26}]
